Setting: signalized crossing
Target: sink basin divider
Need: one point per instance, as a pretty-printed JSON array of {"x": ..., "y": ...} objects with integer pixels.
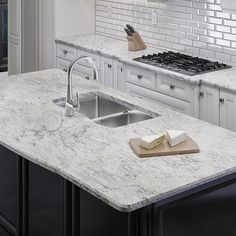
[{"x": 109, "y": 116}]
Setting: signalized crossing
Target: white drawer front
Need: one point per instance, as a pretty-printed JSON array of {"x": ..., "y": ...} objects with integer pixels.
[
  {"x": 170, "y": 102},
  {"x": 82, "y": 71},
  {"x": 140, "y": 77},
  {"x": 66, "y": 53},
  {"x": 173, "y": 88},
  {"x": 95, "y": 57},
  {"x": 86, "y": 72},
  {"x": 63, "y": 64}
]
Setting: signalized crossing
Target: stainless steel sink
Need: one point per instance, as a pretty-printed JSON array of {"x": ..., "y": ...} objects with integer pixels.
[
  {"x": 94, "y": 106},
  {"x": 121, "y": 119},
  {"x": 105, "y": 112}
]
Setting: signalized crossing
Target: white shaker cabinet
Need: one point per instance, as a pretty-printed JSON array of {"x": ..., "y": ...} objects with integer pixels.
[
  {"x": 170, "y": 102},
  {"x": 209, "y": 105},
  {"x": 118, "y": 76},
  {"x": 107, "y": 71},
  {"x": 218, "y": 107},
  {"x": 227, "y": 103},
  {"x": 112, "y": 73},
  {"x": 141, "y": 77}
]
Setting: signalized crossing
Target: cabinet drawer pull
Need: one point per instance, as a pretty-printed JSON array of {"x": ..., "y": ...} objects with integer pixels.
[
  {"x": 222, "y": 101},
  {"x": 65, "y": 52},
  {"x": 172, "y": 87},
  {"x": 65, "y": 70},
  {"x": 139, "y": 76},
  {"x": 201, "y": 94},
  {"x": 87, "y": 77},
  {"x": 109, "y": 66}
]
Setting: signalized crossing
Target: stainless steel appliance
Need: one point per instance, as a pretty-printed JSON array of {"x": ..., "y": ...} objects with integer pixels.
[{"x": 181, "y": 63}]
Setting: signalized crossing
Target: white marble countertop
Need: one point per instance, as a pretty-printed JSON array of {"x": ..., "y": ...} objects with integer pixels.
[
  {"x": 115, "y": 48},
  {"x": 99, "y": 159}
]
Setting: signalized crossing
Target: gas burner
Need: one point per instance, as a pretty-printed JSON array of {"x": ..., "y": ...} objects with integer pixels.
[{"x": 181, "y": 63}]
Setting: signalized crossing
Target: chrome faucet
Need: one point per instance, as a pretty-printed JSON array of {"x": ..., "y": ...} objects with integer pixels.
[{"x": 72, "y": 103}]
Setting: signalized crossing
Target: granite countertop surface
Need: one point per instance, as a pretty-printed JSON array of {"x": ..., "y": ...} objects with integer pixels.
[
  {"x": 118, "y": 49},
  {"x": 98, "y": 159}
]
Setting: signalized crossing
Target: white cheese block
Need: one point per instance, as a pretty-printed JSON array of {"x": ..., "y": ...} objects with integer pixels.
[
  {"x": 175, "y": 137},
  {"x": 152, "y": 141}
]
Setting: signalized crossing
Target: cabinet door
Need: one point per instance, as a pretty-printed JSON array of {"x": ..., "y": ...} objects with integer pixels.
[
  {"x": 45, "y": 202},
  {"x": 228, "y": 110},
  {"x": 172, "y": 103},
  {"x": 173, "y": 88},
  {"x": 119, "y": 76},
  {"x": 99, "y": 219},
  {"x": 82, "y": 71},
  {"x": 8, "y": 185},
  {"x": 140, "y": 77},
  {"x": 209, "y": 105},
  {"x": 66, "y": 53},
  {"x": 86, "y": 73},
  {"x": 106, "y": 71},
  {"x": 96, "y": 58},
  {"x": 3, "y": 232}
]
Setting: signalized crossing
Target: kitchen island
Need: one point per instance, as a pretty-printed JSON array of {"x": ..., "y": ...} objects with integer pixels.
[{"x": 85, "y": 173}]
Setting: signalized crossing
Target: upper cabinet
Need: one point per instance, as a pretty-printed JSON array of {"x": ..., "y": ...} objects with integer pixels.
[{"x": 228, "y": 6}]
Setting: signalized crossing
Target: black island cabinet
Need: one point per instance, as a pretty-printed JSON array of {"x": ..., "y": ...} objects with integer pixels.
[{"x": 37, "y": 202}]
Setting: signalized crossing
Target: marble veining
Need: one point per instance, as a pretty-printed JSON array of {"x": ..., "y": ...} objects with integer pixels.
[
  {"x": 99, "y": 159},
  {"x": 117, "y": 49}
]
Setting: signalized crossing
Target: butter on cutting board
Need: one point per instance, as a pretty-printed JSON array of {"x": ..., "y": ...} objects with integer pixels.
[
  {"x": 175, "y": 137},
  {"x": 152, "y": 141}
]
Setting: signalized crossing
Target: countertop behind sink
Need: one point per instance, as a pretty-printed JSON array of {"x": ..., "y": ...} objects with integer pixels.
[
  {"x": 118, "y": 49},
  {"x": 98, "y": 158}
]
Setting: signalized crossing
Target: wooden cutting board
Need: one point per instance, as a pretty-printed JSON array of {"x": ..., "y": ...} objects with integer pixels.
[{"x": 186, "y": 147}]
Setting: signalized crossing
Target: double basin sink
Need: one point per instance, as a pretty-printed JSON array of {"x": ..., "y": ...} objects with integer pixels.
[{"x": 104, "y": 111}]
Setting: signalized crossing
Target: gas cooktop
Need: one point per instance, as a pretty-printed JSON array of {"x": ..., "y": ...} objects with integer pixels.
[{"x": 181, "y": 63}]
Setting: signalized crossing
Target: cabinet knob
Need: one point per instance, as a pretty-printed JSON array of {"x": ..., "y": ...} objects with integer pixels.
[
  {"x": 65, "y": 70},
  {"x": 65, "y": 52},
  {"x": 139, "y": 76},
  {"x": 87, "y": 77},
  {"x": 172, "y": 87},
  {"x": 222, "y": 101},
  {"x": 109, "y": 66},
  {"x": 201, "y": 94}
]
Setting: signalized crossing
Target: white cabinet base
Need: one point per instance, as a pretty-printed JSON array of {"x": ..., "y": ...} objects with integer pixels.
[
  {"x": 172, "y": 103},
  {"x": 209, "y": 105},
  {"x": 228, "y": 110}
]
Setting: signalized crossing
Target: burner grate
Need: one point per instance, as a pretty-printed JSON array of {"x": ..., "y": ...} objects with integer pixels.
[{"x": 181, "y": 63}]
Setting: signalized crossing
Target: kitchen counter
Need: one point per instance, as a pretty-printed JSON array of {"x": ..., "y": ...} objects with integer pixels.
[
  {"x": 115, "y": 48},
  {"x": 98, "y": 159}
]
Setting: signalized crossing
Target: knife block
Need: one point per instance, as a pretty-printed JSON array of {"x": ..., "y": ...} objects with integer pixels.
[{"x": 135, "y": 42}]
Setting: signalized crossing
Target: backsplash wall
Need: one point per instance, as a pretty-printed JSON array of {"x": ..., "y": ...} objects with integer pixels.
[{"x": 196, "y": 27}]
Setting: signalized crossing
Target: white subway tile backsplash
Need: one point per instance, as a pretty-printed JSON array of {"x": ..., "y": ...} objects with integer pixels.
[{"x": 196, "y": 27}]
